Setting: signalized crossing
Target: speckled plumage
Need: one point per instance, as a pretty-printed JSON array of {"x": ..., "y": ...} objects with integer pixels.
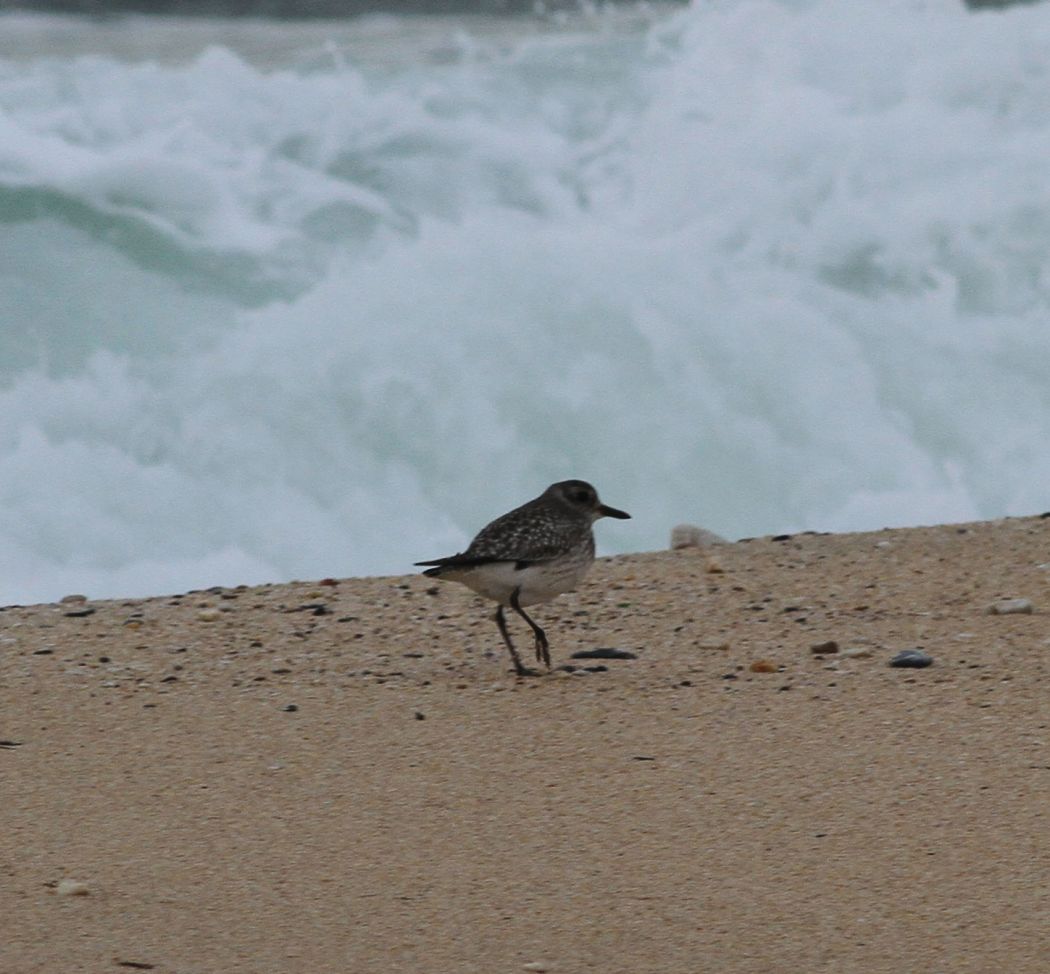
[
  {"x": 530, "y": 555},
  {"x": 537, "y": 531}
]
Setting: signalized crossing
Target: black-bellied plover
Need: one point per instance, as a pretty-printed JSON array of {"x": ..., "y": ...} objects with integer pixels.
[{"x": 530, "y": 555}]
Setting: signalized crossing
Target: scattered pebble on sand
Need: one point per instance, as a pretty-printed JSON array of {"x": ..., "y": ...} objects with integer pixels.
[
  {"x": 857, "y": 652},
  {"x": 911, "y": 658},
  {"x": 536, "y": 965},
  {"x": 1006, "y": 607},
  {"x": 604, "y": 653},
  {"x": 720, "y": 646},
  {"x": 77, "y": 598},
  {"x": 763, "y": 666},
  {"x": 79, "y": 613},
  {"x": 824, "y": 649},
  {"x": 209, "y": 615},
  {"x": 72, "y": 887}
]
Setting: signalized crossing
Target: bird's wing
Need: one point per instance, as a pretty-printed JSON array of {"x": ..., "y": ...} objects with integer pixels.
[{"x": 527, "y": 535}]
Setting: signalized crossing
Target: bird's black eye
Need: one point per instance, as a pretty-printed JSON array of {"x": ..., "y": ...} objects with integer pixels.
[{"x": 582, "y": 497}]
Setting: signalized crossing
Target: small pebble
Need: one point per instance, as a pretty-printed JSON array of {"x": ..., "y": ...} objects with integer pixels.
[
  {"x": 857, "y": 652},
  {"x": 763, "y": 666},
  {"x": 66, "y": 599},
  {"x": 823, "y": 649},
  {"x": 913, "y": 658},
  {"x": 209, "y": 615},
  {"x": 1005, "y": 607},
  {"x": 72, "y": 887},
  {"x": 536, "y": 965},
  {"x": 604, "y": 653},
  {"x": 291, "y": 708}
]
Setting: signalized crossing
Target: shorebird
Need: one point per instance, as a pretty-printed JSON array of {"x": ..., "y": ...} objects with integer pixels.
[{"x": 530, "y": 555}]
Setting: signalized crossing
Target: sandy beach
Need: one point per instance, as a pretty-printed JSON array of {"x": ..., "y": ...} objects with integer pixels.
[{"x": 345, "y": 776}]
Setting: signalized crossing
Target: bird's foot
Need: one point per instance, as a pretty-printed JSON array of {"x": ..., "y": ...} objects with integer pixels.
[{"x": 543, "y": 653}]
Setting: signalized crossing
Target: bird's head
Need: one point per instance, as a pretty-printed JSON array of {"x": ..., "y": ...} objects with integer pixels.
[{"x": 582, "y": 497}]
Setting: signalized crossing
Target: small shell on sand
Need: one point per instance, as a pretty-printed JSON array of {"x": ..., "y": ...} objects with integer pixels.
[
  {"x": 691, "y": 536},
  {"x": 1006, "y": 607},
  {"x": 72, "y": 887}
]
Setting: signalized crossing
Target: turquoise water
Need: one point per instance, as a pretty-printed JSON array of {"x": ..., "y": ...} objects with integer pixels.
[{"x": 285, "y": 300}]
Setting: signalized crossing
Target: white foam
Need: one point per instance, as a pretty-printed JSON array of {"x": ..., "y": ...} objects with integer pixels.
[{"x": 769, "y": 266}]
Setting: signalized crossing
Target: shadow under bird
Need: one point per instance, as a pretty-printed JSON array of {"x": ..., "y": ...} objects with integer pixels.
[{"x": 530, "y": 555}]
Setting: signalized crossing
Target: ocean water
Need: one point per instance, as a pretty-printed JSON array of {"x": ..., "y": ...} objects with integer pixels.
[{"x": 287, "y": 301}]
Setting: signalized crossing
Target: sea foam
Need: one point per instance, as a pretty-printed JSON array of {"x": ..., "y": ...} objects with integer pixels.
[{"x": 762, "y": 266}]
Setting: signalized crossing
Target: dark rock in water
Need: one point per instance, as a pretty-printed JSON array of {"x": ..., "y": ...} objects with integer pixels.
[
  {"x": 914, "y": 658},
  {"x": 604, "y": 654}
]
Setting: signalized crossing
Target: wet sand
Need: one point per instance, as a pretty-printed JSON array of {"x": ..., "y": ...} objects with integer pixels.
[{"x": 345, "y": 776}]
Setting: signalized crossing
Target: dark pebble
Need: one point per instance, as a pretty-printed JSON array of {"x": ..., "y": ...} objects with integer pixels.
[
  {"x": 643, "y": 757},
  {"x": 79, "y": 613},
  {"x": 420, "y": 715},
  {"x": 604, "y": 654},
  {"x": 596, "y": 669},
  {"x": 913, "y": 658},
  {"x": 782, "y": 537},
  {"x": 42, "y": 652},
  {"x": 10, "y": 744},
  {"x": 823, "y": 649},
  {"x": 290, "y": 709}
]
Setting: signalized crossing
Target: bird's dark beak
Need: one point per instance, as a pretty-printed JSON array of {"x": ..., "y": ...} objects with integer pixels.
[{"x": 605, "y": 511}]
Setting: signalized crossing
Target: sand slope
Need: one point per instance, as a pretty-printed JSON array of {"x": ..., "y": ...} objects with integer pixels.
[{"x": 422, "y": 810}]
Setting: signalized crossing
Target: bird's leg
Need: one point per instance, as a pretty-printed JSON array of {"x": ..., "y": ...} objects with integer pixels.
[
  {"x": 542, "y": 646},
  {"x": 519, "y": 668}
]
